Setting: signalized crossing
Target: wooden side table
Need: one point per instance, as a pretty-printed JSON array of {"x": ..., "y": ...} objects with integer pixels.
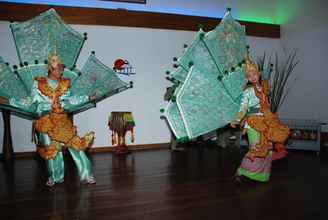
[{"x": 120, "y": 123}]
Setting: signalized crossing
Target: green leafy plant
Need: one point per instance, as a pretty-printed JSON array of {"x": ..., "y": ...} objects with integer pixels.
[{"x": 278, "y": 73}]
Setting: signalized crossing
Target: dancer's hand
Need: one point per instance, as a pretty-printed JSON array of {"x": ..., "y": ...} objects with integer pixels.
[
  {"x": 3, "y": 100},
  {"x": 92, "y": 98}
]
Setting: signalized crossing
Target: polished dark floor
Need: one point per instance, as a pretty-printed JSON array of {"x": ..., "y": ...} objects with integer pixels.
[{"x": 195, "y": 184}]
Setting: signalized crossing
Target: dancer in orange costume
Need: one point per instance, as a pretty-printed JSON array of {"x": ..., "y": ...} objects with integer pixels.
[
  {"x": 262, "y": 126},
  {"x": 54, "y": 129}
]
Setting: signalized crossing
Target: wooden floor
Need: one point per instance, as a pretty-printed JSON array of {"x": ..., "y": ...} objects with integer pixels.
[{"x": 195, "y": 184}]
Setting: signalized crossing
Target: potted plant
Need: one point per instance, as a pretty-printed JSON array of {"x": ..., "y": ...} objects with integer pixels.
[{"x": 278, "y": 72}]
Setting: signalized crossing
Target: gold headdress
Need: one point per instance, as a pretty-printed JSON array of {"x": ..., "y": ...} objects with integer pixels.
[
  {"x": 250, "y": 66},
  {"x": 53, "y": 50},
  {"x": 53, "y": 54},
  {"x": 59, "y": 61}
]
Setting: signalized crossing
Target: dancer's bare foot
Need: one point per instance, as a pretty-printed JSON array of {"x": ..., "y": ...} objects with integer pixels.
[
  {"x": 90, "y": 180},
  {"x": 50, "y": 182}
]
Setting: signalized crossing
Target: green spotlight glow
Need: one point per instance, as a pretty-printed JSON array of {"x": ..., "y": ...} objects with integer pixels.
[{"x": 257, "y": 19}]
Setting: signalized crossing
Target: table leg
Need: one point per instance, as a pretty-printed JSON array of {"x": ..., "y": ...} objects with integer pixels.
[{"x": 7, "y": 147}]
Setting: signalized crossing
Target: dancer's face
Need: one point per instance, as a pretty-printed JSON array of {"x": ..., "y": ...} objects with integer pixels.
[
  {"x": 55, "y": 67},
  {"x": 54, "y": 61},
  {"x": 253, "y": 76}
]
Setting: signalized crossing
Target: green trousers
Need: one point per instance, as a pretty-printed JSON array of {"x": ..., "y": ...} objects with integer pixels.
[
  {"x": 253, "y": 137},
  {"x": 56, "y": 167}
]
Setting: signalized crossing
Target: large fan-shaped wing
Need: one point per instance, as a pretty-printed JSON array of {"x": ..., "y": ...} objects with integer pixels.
[
  {"x": 212, "y": 80},
  {"x": 35, "y": 39},
  {"x": 227, "y": 43},
  {"x": 227, "y": 46},
  {"x": 11, "y": 86},
  {"x": 197, "y": 54},
  {"x": 97, "y": 79},
  {"x": 204, "y": 104},
  {"x": 174, "y": 117}
]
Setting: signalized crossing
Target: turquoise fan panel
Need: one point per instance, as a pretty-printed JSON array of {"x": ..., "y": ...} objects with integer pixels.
[
  {"x": 203, "y": 104},
  {"x": 227, "y": 43},
  {"x": 10, "y": 84},
  {"x": 45, "y": 34},
  {"x": 98, "y": 79},
  {"x": 174, "y": 119},
  {"x": 211, "y": 74}
]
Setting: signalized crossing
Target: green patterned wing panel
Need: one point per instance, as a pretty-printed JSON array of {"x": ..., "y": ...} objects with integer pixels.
[
  {"x": 211, "y": 90},
  {"x": 35, "y": 39},
  {"x": 174, "y": 118},
  {"x": 235, "y": 83},
  {"x": 97, "y": 79},
  {"x": 204, "y": 103},
  {"x": 227, "y": 43},
  {"x": 12, "y": 87},
  {"x": 10, "y": 84},
  {"x": 197, "y": 55}
]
